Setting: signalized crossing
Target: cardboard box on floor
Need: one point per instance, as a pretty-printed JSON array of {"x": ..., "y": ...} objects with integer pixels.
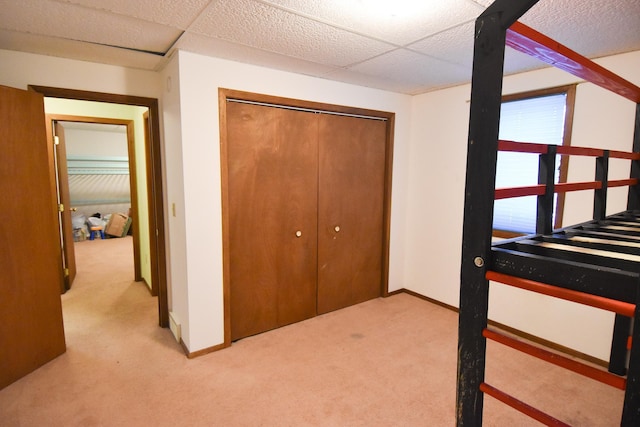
[{"x": 118, "y": 225}]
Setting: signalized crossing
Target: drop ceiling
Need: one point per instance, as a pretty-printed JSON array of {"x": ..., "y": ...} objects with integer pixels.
[{"x": 421, "y": 46}]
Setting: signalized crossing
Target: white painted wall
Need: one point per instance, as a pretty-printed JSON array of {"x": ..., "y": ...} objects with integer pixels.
[
  {"x": 177, "y": 278},
  {"x": 200, "y": 303},
  {"x": 437, "y": 164},
  {"x": 21, "y": 69},
  {"x": 436, "y": 200}
]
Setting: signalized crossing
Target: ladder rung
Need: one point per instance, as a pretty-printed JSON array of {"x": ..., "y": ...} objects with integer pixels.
[
  {"x": 558, "y": 360},
  {"x": 620, "y": 307},
  {"x": 528, "y": 410}
]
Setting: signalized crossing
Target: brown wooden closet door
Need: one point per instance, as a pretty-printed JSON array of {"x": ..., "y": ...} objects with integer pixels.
[
  {"x": 272, "y": 189},
  {"x": 350, "y": 203}
]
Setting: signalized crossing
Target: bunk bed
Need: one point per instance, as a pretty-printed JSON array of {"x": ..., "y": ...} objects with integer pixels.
[{"x": 596, "y": 263}]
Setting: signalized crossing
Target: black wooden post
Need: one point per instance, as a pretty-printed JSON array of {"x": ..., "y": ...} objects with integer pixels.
[
  {"x": 478, "y": 216},
  {"x": 600, "y": 195},
  {"x": 633, "y": 201},
  {"x": 546, "y": 176},
  {"x": 631, "y": 408},
  {"x": 618, "y": 355},
  {"x": 486, "y": 92},
  {"x": 622, "y": 325}
]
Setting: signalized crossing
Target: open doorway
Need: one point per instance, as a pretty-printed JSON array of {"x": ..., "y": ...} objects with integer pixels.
[
  {"x": 101, "y": 183},
  {"x": 100, "y": 175},
  {"x": 149, "y": 152}
]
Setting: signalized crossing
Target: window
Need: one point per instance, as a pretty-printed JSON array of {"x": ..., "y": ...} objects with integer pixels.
[{"x": 543, "y": 117}]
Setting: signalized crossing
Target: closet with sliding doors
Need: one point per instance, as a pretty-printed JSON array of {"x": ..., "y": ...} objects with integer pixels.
[{"x": 305, "y": 207}]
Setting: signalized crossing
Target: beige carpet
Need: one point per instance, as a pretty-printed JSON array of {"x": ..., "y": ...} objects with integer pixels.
[{"x": 387, "y": 362}]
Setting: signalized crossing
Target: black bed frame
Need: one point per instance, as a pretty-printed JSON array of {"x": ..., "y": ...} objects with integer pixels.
[{"x": 549, "y": 258}]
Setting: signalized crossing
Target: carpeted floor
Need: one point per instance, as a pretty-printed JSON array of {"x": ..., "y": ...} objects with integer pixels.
[{"x": 387, "y": 362}]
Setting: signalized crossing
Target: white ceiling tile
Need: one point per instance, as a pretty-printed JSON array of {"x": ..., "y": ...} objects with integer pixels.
[
  {"x": 67, "y": 21},
  {"x": 454, "y": 45},
  {"x": 264, "y": 27},
  {"x": 208, "y": 46},
  {"x": 179, "y": 14},
  {"x": 411, "y": 21},
  {"x": 408, "y": 66},
  {"x": 593, "y": 28},
  {"x": 376, "y": 82},
  {"x": 345, "y": 40},
  {"x": 65, "y": 48}
]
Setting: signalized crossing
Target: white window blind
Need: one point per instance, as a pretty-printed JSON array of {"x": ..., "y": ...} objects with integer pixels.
[{"x": 541, "y": 120}]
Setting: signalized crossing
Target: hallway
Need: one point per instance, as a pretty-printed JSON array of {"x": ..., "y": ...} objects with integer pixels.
[
  {"x": 105, "y": 309},
  {"x": 113, "y": 340}
]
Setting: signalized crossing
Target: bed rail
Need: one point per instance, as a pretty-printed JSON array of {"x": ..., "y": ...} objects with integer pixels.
[
  {"x": 546, "y": 186},
  {"x": 537, "y": 148},
  {"x": 527, "y": 40}
]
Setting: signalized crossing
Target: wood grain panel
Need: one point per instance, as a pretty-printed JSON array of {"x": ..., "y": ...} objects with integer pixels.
[
  {"x": 351, "y": 197},
  {"x": 272, "y": 181},
  {"x": 31, "y": 331}
]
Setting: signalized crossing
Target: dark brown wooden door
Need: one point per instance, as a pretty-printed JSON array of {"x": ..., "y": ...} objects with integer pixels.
[
  {"x": 31, "y": 330},
  {"x": 66, "y": 230},
  {"x": 350, "y": 210},
  {"x": 272, "y": 190}
]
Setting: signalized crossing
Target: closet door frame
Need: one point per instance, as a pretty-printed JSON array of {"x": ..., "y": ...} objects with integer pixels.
[{"x": 224, "y": 95}]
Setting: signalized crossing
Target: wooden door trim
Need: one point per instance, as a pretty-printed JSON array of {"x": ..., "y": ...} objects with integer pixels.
[
  {"x": 224, "y": 182},
  {"x": 133, "y": 177},
  {"x": 300, "y": 103},
  {"x": 386, "y": 208},
  {"x": 153, "y": 250},
  {"x": 155, "y": 187},
  {"x": 224, "y": 95}
]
